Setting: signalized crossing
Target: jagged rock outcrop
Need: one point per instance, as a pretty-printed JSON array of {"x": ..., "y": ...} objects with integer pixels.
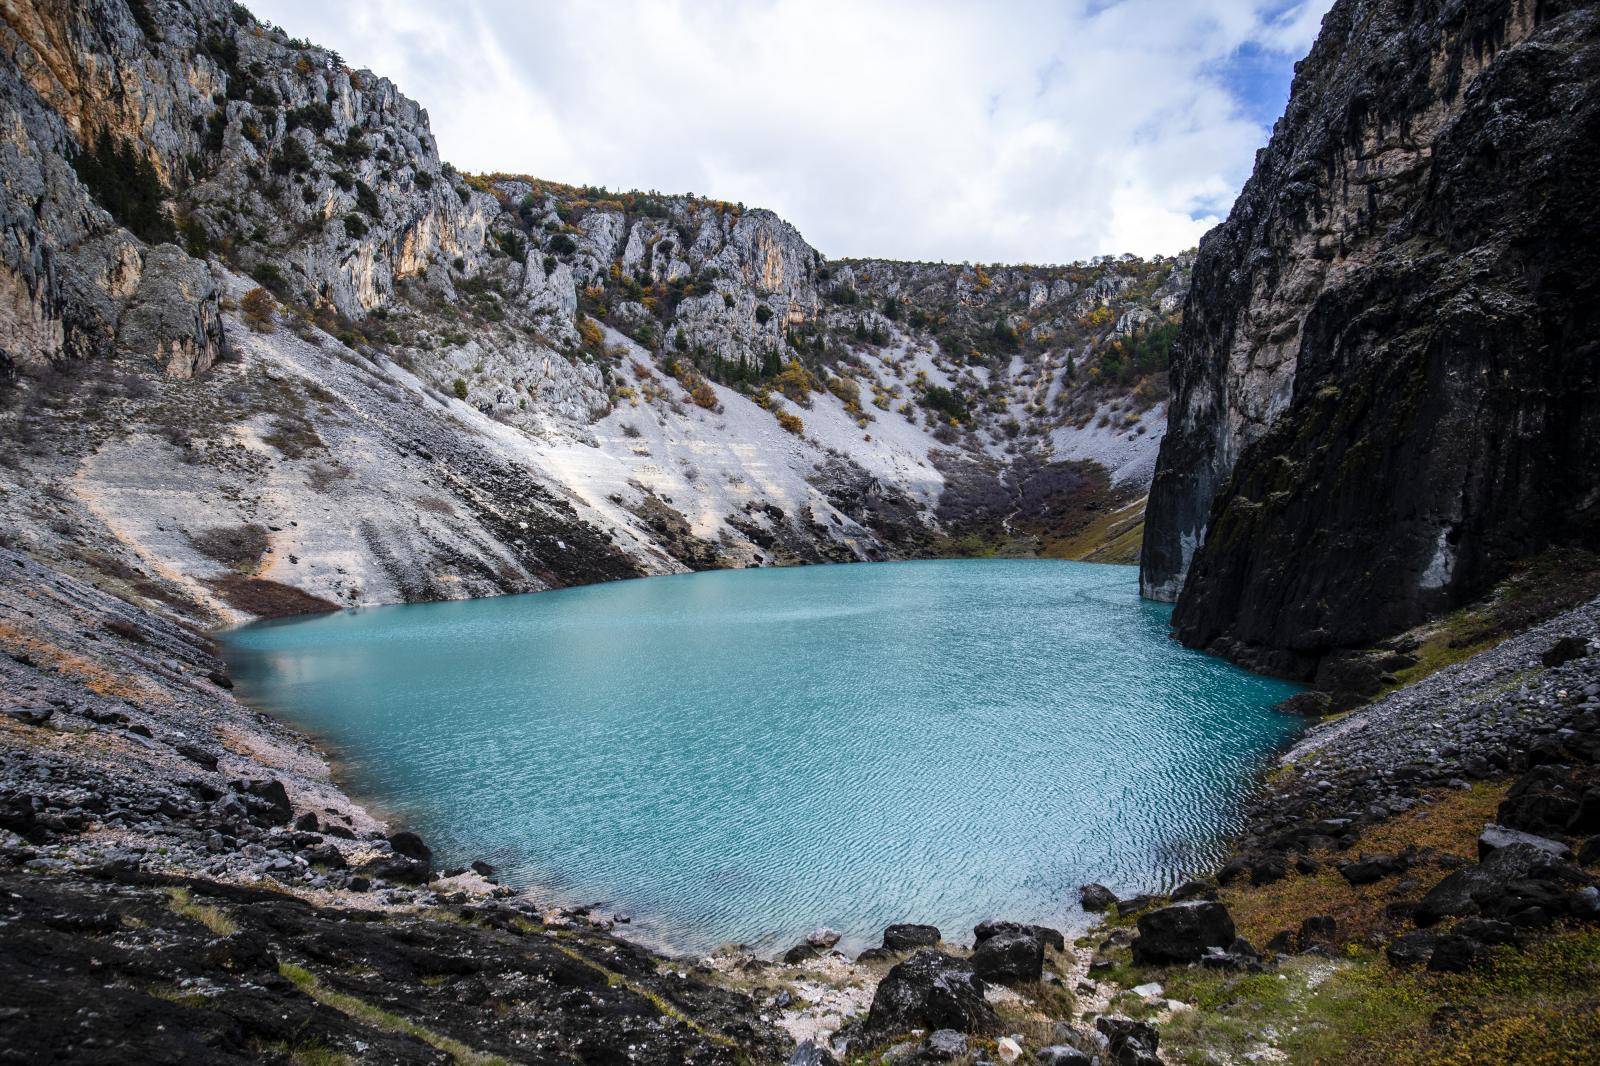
[
  {"x": 174, "y": 317},
  {"x": 1385, "y": 387}
]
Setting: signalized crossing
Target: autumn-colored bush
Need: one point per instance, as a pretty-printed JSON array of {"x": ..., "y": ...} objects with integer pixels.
[
  {"x": 257, "y": 308},
  {"x": 848, "y": 391},
  {"x": 704, "y": 395},
  {"x": 795, "y": 382},
  {"x": 790, "y": 422},
  {"x": 593, "y": 336}
]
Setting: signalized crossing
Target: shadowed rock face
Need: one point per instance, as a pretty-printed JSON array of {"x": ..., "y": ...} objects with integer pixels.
[{"x": 1386, "y": 389}]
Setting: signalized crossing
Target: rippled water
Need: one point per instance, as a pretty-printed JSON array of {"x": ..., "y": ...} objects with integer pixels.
[{"x": 749, "y": 754}]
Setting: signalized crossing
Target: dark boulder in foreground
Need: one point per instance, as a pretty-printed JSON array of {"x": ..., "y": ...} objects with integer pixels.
[
  {"x": 1519, "y": 883},
  {"x": 1096, "y": 898},
  {"x": 1367, "y": 868},
  {"x": 1564, "y": 651},
  {"x": 1132, "y": 1043},
  {"x": 994, "y": 927},
  {"x": 1182, "y": 932},
  {"x": 1553, "y": 799},
  {"x": 930, "y": 990},
  {"x": 906, "y": 936},
  {"x": 1012, "y": 956},
  {"x": 266, "y": 801},
  {"x": 810, "y": 1053},
  {"x": 410, "y": 845},
  {"x": 1495, "y": 837}
]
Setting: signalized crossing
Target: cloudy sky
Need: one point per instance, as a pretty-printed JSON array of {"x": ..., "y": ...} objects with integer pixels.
[{"x": 1016, "y": 131}]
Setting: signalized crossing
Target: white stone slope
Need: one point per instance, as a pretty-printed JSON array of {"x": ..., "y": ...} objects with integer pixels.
[{"x": 373, "y": 512}]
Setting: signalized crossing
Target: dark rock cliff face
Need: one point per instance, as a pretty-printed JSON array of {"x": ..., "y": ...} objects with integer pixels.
[{"x": 1387, "y": 385}]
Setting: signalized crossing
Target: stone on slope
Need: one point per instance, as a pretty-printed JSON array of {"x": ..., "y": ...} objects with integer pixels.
[
  {"x": 994, "y": 927},
  {"x": 1182, "y": 932},
  {"x": 1096, "y": 898},
  {"x": 1009, "y": 957},
  {"x": 1516, "y": 882},
  {"x": 906, "y": 936},
  {"x": 1132, "y": 1043},
  {"x": 410, "y": 845},
  {"x": 1494, "y": 837},
  {"x": 930, "y": 990}
]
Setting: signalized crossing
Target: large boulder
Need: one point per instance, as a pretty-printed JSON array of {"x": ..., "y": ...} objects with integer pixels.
[
  {"x": 174, "y": 315},
  {"x": 994, "y": 927},
  {"x": 1096, "y": 898},
  {"x": 399, "y": 869},
  {"x": 810, "y": 1053},
  {"x": 1564, "y": 651},
  {"x": 1367, "y": 868},
  {"x": 1494, "y": 837},
  {"x": 1132, "y": 1043},
  {"x": 267, "y": 801},
  {"x": 1520, "y": 883},
  {"x": 930, "y": 990},
  {"x": 1009, "y": 957},
  {"x": 410, "y": 845},
  {"x": 1182, "y": 932},
  {"x": 906, "y": 936},
  {"x": 1547, "y": 800}
]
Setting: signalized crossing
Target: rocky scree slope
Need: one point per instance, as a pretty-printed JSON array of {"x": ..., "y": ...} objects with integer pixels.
[
  {"x": 256, "y": 334},
  {"x": 1385, "y": 385}
]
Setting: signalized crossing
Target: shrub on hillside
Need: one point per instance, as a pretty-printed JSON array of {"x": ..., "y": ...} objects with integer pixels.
[
  {"x": 704, "y": 395},
  {"x": 848, "y": 392},
  {"x": 257, "y": 309},
  {"x": 947, "y": 402},
  {"x": 796, "y": 383}
]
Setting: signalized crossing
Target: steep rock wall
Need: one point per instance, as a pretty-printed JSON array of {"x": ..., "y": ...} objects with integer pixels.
[{"x": 1386, "y": 384}]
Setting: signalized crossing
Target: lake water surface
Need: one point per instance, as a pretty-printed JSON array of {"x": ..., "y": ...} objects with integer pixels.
[{"x": 745, "y": 755}]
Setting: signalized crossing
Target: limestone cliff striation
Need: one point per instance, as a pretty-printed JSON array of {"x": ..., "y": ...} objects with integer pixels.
[
  {"x": 1386, "y": 386},
  {"x": 253, "y": 329}
]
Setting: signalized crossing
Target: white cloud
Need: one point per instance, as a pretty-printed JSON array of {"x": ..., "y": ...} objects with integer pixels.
[{"x": 1024, "y": 131}]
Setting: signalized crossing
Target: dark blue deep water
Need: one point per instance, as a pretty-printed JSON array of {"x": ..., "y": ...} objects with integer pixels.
[{"x": 749, "y": 754}]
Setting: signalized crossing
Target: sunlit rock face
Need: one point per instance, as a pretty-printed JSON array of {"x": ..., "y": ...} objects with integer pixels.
[
  {"x": 242, "y": 298},
  {"x": 1384, "y": 387}
]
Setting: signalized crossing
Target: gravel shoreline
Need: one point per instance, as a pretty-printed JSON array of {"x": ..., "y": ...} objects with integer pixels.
[{"x": 1485, "y": 718}]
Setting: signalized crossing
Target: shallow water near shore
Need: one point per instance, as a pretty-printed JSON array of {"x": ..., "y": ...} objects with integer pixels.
[{"x": 745, "y": 755}]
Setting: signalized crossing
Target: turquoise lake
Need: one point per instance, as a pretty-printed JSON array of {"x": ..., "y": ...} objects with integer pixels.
[{"x": 746, "y": 755}]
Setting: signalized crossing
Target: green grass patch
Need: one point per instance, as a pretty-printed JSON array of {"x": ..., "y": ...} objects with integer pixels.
[
  {"x": 312, "y": 1053},
  {"x": 1540, "y": 1007},
  {"x": 1540, "y": 587},
  {"x": 659, "y": 1002},
  {"x": 1114, "y": 537},
  {"x": 360, "y": 1010},
  {"x": 213, "y": 918}
]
